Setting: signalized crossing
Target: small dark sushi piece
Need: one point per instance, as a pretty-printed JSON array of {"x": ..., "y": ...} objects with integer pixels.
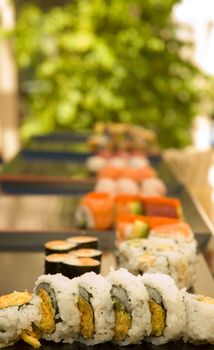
[
  {"x": 74, "y": 267},
  {"x": 53, "y": 247},
  {"x": 87, "y": 253},
  {"x": 84, "y": 241},
  {"x": 53, "y": 263}
]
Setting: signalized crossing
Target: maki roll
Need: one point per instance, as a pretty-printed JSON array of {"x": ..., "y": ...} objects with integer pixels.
[
  {"x": 126, "y": 185},
  {"x": 167, "y": 309},
  {"x": 200, "y": 319},
  {"x": 96, "y": 211},
  {"x": 19, "y": 311},
  {"x": 87, "y": 253},
  {"x": 76, "y": 266},
  {"x": 96, "y": 309},
  {"x": 59, "y": 312},
  {"x": 153, "y": 187},
  {"x": 128, "y": 204},
  {"x": 162, "y": 206},
  {"x": 130, "y": 305},
  {"x": 180, "y": 232},
  {"x": 106, "y": 185},
  {"x": 53, "y": 263},
  {"x": 84, "y": 241},
  {"x": 52, "y": 247},
  {"x": 95, "y": 164}
]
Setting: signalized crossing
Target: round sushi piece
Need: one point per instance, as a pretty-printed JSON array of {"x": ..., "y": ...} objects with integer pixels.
[
  {"x": 200, "y": 319},
  {"x": 117, "y": 162},
  {"x": 95, "y": 164},
  {"x": 167, "y": 309},
  {"x": 126, "y": 185},
  {"x": 153, "y": 187},
  {"x": 59, "y": 312},
  {"x": 19, "y": 311},
  {"x": 84, "y": 241},
  {"x": 53, "y": 263},
  {"x": 96, "y": 309},
  {"x": 138, "y": 162},
  {"x": 130, "y": 305},
  {"x": 105, "y": 184},
  {"x": 87, "y": 253},
  {"x": 180, "y": 232},
  {"x": 52, "y": 247},
  {"x": 74, "y": 266}
]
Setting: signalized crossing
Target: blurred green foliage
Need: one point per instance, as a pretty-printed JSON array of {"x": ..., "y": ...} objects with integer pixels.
[{"x": 103, "y": 60}]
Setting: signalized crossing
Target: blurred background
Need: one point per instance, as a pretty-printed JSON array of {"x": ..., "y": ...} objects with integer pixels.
[{"x": 65, "y": 65}]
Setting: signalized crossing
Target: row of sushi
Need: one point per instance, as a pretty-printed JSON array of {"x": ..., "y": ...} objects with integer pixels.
[
  {"x": 91, "y": 309},
  {"x": 100, "y": 210},
  {"x": 72, "y": 257},
  {"x": 167, "y": 247}
]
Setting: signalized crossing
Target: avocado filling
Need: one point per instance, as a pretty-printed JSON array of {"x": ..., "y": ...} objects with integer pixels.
[
  {"x": 122, "y": 320},
  {"x": 86, "y": 318},
  {"x": 158, "y": 316},
  {"x": 47, "y": 323}
]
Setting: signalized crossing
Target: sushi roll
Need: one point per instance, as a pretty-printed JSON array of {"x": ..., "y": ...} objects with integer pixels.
[
  {"x": 153, "y": 187},
  {"x": 117, "y": 162},
  {"x": 96, "y": 309},
  {"x": 87, "y": 253},
  {"x": 19, "y": 311},
  {"x": 53, "y": 263},
  {"x": 180, "y": 232},
  {"x": 53, "y": 247},
  {"x": 76, "y": 266},
  {"x": 128, "y": 204},
  {"x": 95, "y": 164},
  {"x": 162, "y": 206},
  {"x": 200, "y": 319},
  {"x": 138, "y": 162},
  {"x": 167, "y": 309},
  {"x": 59, "y": 312},
  {"x": 105, "y": 184},
  {"x": 84, "y": 241},
  {"x": 96, "y": 211},
  {"x": 130, "y": 305},
  {"x": 126, "y": 185}
]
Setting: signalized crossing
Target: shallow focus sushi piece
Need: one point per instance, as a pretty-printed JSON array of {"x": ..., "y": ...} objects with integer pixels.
[
  {"x": 200, "y": 319},
  {"x": 53, "y": 263},
  {"x": 96, "y": 309},
  {"x": 75, "y": 266},
  {"x": 95, "y": 164},
  {"x": 153, "y": 187},
  {"x": 19, "y": 311},
  {"x": 126, "y": 185},
  {"x": 180, "y": 232},
  {"x": 59, "y": 246},
  {"x": 166, "y": 307},
  {"x": 130, "y": 305},
  {"x": 84, "y": 241},
  {"x": 106, "y": 185},
  {"x": 59, "y": 312},
  {"x": 96, "y": 211},
  {"x": 162, "y": 206},
  {"x": 138, "y": 162}
]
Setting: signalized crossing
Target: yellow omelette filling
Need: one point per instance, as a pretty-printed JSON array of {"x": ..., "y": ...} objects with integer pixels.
[
  {"x": 158, "y": 316},
  {"x": 31, "y": 337},
  {"x": 15, "y": 299},
  {"x": 207, "y": 300},
  {"x": 123, "y": 320},
  {"x": 18, "y": 299},
  {"x": 47, "y": 323},
  {"x": 86, "y": 318}
]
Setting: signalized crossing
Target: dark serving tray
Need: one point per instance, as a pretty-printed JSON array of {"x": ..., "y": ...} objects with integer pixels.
[{"x": 179, "y": 345}]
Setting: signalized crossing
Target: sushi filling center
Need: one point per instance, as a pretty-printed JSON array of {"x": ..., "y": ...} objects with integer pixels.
[
  {"x": 31, "y": 337},
  {"x": 47, "y": 323},
  {"x": 123, "y": 320},
  {"x": 158, "y": 315},
  {"x": 15, "y": 299},
  {"x": 87, "y": 327}
]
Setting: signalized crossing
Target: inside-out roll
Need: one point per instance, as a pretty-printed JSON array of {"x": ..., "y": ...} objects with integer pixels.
[
  {"x": 95, "y": 308},
  {"x": 167, "y": 309},
  {"x": 19, "y": 311},
  {"x": 59, "y": 312},
  {"x": 200, "y": 319},
  {"x": 130, "y": 305}
]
